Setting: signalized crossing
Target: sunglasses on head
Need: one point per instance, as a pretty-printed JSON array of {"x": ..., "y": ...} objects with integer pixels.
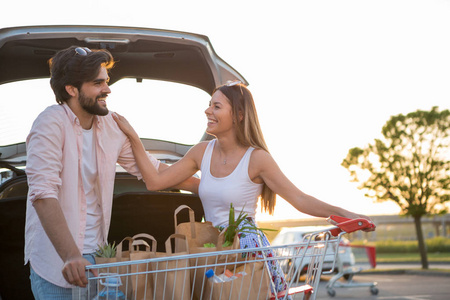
[
  {"x": 233, "y": 83},
  {"x": 83, "y": 51}
]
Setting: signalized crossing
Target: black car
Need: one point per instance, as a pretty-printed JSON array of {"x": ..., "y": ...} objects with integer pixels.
[{"x": 141, "y": 54}]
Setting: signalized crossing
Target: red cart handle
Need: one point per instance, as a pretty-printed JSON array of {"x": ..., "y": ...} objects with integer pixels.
[{"x": 349, "y": 225}]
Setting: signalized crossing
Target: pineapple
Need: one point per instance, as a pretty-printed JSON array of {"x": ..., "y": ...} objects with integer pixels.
[{"x": 107, "y": 250}]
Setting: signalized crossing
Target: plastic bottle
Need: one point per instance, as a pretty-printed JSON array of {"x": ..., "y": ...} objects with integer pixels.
[
  {"x": 111, "y": 288},
  {"x": 226, "y": 276},
  {"x": 213, "y": 277}
]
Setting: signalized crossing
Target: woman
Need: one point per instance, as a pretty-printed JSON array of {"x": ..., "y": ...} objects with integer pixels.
[{"x": 236, "y": 167}]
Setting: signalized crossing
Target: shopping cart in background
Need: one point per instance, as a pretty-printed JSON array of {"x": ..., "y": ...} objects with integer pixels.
[
  {"x": 227, "y": 274},
  {"x": 364, "y": 259}
]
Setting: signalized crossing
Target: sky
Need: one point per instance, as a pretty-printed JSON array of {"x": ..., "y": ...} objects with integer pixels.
[{"x": 325, "y": 75}]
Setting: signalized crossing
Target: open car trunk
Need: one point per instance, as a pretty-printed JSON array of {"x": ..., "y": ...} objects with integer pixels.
[{"x": 140, "y": 53}]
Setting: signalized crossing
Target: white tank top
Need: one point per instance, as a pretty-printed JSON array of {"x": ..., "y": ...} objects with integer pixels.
[{"x": 216, "y": 193}]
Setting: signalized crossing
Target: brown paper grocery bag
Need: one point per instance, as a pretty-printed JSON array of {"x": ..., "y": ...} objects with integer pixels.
[
  {"x": 197, "y": 233},
  {"x": 201, "y": 264},
  {"x": 254, "y": 284},
  {"x": 172, "y": 279},
  {"x": 141, "y": 280}
]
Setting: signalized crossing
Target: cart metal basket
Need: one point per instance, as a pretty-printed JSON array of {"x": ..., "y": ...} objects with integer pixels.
[{"x": 239, "y": 274}]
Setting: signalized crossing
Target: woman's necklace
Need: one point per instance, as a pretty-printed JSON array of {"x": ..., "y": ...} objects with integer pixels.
[
  {"x": 232, "y": 154},
  {"x": 225, "y": 159}
]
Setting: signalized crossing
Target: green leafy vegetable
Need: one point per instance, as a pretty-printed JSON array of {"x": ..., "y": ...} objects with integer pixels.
[
  {"x": 107, "y": 250},
  {"x": 233, "y": 226}
]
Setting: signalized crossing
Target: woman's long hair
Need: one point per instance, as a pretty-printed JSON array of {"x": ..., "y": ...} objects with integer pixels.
[{"x": 248, "y": 130}]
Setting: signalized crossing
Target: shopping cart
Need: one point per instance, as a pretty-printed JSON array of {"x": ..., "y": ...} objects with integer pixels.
[
  {"x": 364, "y": 259},
  {"x": 239, "y": 274}
]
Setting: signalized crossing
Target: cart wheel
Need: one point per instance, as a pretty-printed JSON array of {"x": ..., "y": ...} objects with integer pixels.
[
  {"x": 374, "y": 290},
  {"x": 331, "y": 292}
]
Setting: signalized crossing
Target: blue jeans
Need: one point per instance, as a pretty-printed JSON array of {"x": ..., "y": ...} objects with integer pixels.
[{"x": 44, "y": 290}]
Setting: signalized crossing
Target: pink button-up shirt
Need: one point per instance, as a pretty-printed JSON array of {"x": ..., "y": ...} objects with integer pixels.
[{"x": 54, "y": 149}]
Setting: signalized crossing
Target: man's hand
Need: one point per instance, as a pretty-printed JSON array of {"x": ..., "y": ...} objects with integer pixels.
[
  {"x": 74, "y": 271},
  {"x": 55, "y": 225}
]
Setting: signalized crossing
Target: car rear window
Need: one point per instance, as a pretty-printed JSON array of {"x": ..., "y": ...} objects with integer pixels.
[{"x": 157, "y": 109}]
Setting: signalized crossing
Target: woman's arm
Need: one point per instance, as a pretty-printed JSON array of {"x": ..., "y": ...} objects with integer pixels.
[
  {"x": 265, "y": 167},
  {"x": 191, "y": 184},
  {"x": 166, "y": 176}
]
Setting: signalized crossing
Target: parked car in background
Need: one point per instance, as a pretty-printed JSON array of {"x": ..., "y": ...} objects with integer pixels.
[
  {"x": 294, "y": 235},
  {"x": 158, "y": 73}
]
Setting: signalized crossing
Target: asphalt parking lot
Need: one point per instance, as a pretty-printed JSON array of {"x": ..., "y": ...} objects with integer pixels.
[{"x": 400, "y": 284}]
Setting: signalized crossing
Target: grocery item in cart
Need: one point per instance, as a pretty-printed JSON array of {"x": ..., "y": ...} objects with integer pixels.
[
  {"x": 198, "y": 274},
  {"x": 226, "y": 276},
  {"x": 171, "y": 279},
  {"x": 119, "y": 256},
  {"x": 110, "y": 290},
  {"x": 252, "y": 284},
  {"x": 197, "y": 233}
]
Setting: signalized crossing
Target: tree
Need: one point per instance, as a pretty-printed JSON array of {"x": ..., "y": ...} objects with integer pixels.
[{"x": 410, "y": 166}]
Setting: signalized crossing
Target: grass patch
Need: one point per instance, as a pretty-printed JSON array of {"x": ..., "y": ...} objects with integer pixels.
[
  {"x": 411, "y": 257},
  {"x": 389, "y": 251},
  {"x": 434, "y": 245}
]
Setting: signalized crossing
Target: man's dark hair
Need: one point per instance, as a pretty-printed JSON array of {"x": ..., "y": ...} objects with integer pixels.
[{"x": 71, "y": 67}]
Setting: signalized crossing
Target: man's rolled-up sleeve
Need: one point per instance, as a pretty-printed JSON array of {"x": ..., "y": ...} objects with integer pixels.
[{"x": 44, "y": 158}]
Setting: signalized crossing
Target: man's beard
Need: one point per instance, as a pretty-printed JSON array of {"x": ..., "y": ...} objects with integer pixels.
[{"x": 91, "y": 105}]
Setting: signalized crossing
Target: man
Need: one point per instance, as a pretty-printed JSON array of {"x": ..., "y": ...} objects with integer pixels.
[{"x": 72, "y": 151}]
